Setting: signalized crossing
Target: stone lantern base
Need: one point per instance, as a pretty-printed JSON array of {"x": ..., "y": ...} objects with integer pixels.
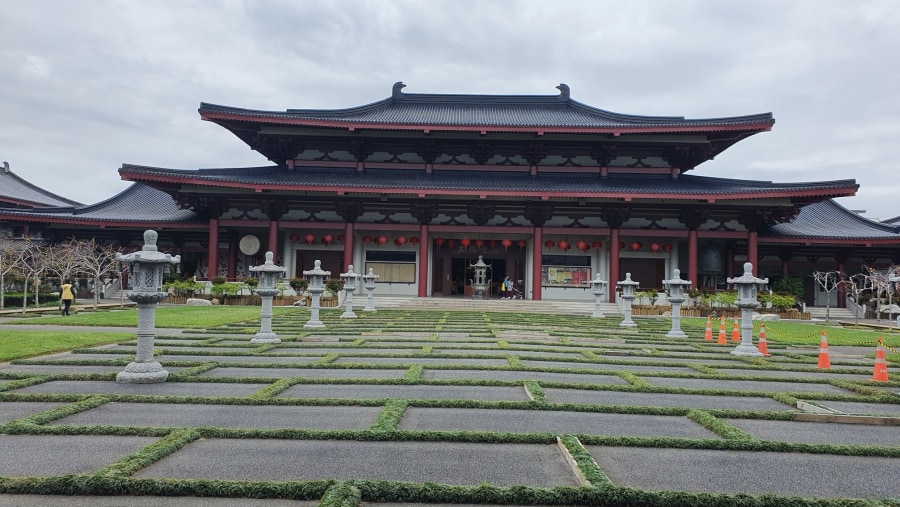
[
  {"x": 142, "y": 373},
  {"x": 269, "y": 337},
  {"x": 746, "y": 350}
]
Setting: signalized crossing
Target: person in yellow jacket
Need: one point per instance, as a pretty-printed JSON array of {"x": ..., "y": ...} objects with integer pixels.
[{"x": 67, "y": 296}]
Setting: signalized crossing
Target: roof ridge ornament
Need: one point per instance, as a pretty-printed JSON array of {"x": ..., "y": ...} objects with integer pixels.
[
  {"x": 5, "y": 166},
  {"x": 563, "y": 91},
  {"x": 396, "y": 91}
]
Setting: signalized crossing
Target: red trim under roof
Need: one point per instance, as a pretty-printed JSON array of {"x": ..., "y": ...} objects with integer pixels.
[{"x": 539, "y": 130}]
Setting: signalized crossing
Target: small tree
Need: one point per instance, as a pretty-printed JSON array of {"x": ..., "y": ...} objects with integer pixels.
[
  {"x": 829, "y": 281},
  {"x": 878, "y": 281},
  {"x": 12, "y": 254},
  {"x": 98, "y": 261},
  {"x": 856, "y": 285}
]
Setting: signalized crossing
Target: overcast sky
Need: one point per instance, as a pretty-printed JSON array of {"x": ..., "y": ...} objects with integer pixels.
[{"x": 88, "y": 85}]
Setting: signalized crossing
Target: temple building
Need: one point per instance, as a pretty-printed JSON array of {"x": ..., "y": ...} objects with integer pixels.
[{"x": 548, "y": 190}]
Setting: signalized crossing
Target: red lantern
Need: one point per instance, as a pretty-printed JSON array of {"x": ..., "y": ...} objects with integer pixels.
[
  {"x": 654, "y": 247},
  {"x": 549, "y": 244},
  {"x": 295, "y": 237},
  {"x": 367, "y": 239},
  {"x": 667, "y": 247},
  {"x": 327, "y": 239},
  {"x": 521, "y": 243},
  {"x": 635, "y": 246},
  {"x": 451, "y": 243},
  {"x": 439, "y": 242},
  {"x": 341, "y": 238},
  {"x": 310, "y": 239},
  {"x": 414, "y": 240},
  {"x": 465, "y": 242},
  {"x": 381, "y": 240},
  {"x": 583, "y": 246},
  {"x": 506, "y": 244},
  {"x": 479, "y": 243},
  {"x": 400, "y": 241},
  {"x": 596, "y": 245},
  {"x": 564, "y": 246}
]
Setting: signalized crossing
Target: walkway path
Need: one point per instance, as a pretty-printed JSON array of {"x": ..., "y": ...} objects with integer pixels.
[{"x": 473, "y": 401}]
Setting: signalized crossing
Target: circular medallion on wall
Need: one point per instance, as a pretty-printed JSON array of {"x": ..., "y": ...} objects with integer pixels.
[{"x": 249, "y": 245}]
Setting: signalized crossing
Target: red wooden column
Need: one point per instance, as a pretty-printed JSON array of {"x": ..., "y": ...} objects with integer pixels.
[
  {"x": 424, "y": 242},
  {"x": 273, "y": 240},
  {"x": 212, "y": 261},
  {"x": 537, "y": 263},
  {"x": 753, "y": 250},
  {"x": 613, "y": 263},
  {"x": 692, "y": 258},
  {"x": 348, "y": 249},
  {"x": 233, "y": 239}
]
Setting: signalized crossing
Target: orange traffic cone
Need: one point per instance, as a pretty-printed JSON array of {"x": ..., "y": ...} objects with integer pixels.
[
  {"x": 721, "y": 340},
  {"x": 763, "y": 344},
  {"x": 880, "y": 374},
  {"x": 735, "y": 332},
  {"x": 708, "y": 334},
  {"x": 824, "y": 358}
]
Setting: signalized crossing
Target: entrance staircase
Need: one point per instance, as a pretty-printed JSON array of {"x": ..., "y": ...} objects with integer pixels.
[
  {"x": 818, "y": 313},
  {"x": 498, "y": 305}
]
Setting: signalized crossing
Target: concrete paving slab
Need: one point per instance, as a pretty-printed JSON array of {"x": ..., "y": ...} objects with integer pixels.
[
  {"x": 850, "y": 407},
  {"x": 678, "y": 360},
  {"x": 663, "y": 400},
  {"x": 795, "y": 474},
  {"x": 551, "y": 421},
  {"x": 193, "y": 349},
  {"x": 510, "y": 352},
  {"x": 143, "y": 501},
  {"x": 606, "y": 366},
  {"x": 253, "y": 359},
  {"x": 820, "y": 432},
  {"x": 162, "y": 389},
  {"x": 746, "y": 385},
  {"x": 825, "y": 374},
  {"x": 69, "y": 356},
  {"x": 49, "y": 455},
  {"x": 304, "y": 372},
  {"x": 62, "y": 369},
  {"x": 522, "y": 375},
  {"x": 10, "y": 410},
  {"x": 362, "y": 392},
  {"x": 492, "y": 345},
  {"x": 343, "y": 350},
  {"x": 162, "y": 415},
  {"x": 421, "y": 360},
  {"x": 498, "y": 464}
]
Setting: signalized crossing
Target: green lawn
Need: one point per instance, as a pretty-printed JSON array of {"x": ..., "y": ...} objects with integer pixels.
[
  {"x": 19, "y": 344},
  {"x": 187, "y": 317}
]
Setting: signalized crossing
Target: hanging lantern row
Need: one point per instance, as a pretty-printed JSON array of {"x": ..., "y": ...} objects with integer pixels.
[
  {"x": 479, "y": 244},
  {"x": 565, "y": 246},
  {"x": 310, "y": 238}
]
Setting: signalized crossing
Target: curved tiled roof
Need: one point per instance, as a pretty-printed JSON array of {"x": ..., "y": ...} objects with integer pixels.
[
  {"x": 18, "y": 192},
  {"x": 551, "y": 111},
  {"x": 485, "y": 182},
  {"x": 829, "y": 220},
  {"x": 137, "y": 203}
]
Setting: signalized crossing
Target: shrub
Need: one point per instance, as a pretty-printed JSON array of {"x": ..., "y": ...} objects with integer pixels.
[
  {"x": 334, "y": 285},
  {"x": 299, "y": 284}
]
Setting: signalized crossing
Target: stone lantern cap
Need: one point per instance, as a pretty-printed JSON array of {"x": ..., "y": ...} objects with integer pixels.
[
  {"x": 268, "y": 267},
  {"x": 676, "y": 282},
  {"x": 480, "y": 264},
  {"x": 317, "y": 270},
  {"x": 597, "y": 280},
  {"x": 628, "y": 281},
  {"x": 747, "y": 278},
  {"x": 370, "y": 275},
  {"x": 149, "y": 253}
]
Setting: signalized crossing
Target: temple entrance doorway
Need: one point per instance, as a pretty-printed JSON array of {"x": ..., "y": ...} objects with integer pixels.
[
  {"x": 648, "y": 272},
  {"x": 332, "y": 260}
]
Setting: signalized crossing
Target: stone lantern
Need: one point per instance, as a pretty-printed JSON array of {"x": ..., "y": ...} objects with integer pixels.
[
  {"x": 350, "y": 279},
  {"x": 147, "y": 267},
  {"x": 316, "y": 288},
  {"x": 598, "y": 287},
  {"x": 268, "y": 275},
  {"x": 369, "y": 280},
  {"x": 747, "y": 286},
  {"x": 628, "y": 286},
  {"x": 675, "y": 288},
  {"x": 479, "y": 281}
]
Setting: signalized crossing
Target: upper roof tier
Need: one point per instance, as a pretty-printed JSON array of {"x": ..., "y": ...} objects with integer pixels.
[{"x": 504, "y": 113}]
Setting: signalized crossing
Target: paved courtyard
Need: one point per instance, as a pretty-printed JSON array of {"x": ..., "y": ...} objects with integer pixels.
[{"x": 424, "y": 407}]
